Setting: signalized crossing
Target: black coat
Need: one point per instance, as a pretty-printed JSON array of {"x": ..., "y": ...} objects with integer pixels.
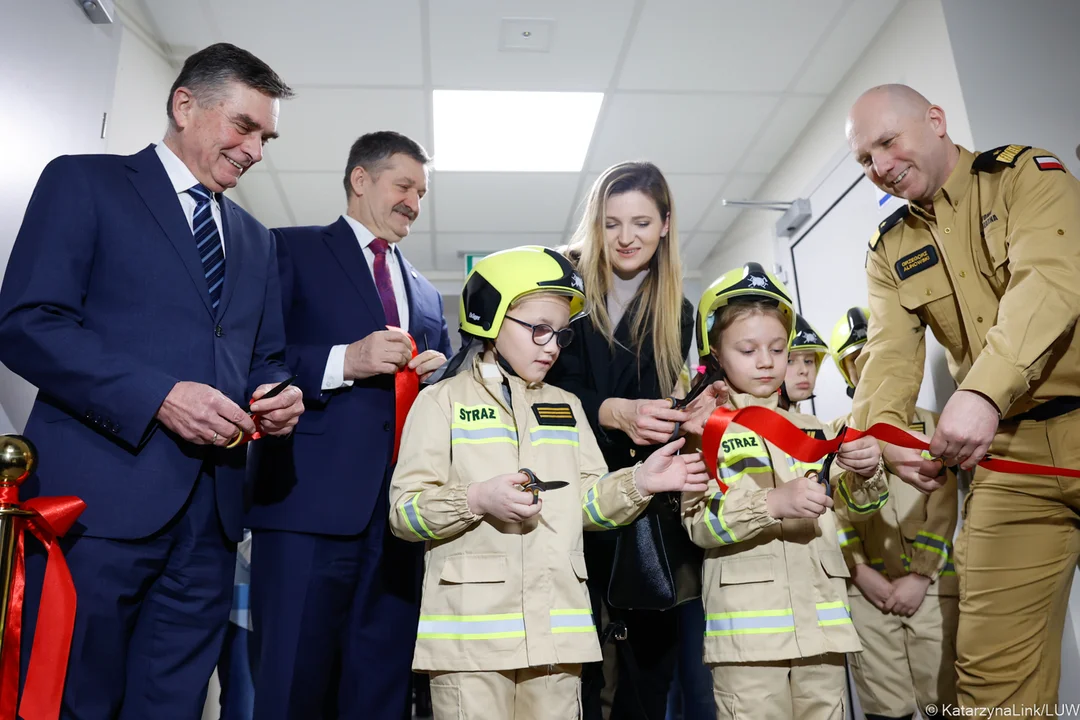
[{"x": 590, "y": 369}]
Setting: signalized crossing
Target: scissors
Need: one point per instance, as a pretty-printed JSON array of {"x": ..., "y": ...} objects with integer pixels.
[
  {"x": 822, "y": 475},
  {"x": 241, "y": 436},
  {"x": 536, "y": 485},
  {"x": 713, "y": 372}
]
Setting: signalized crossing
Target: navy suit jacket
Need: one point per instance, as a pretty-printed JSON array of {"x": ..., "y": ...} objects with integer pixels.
[
  {"x": 104, "y": 308},
  {"x": 328, "y": 477}
]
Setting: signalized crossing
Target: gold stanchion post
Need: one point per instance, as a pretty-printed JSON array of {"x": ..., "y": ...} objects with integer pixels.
[{"x": 17, "y": 460}]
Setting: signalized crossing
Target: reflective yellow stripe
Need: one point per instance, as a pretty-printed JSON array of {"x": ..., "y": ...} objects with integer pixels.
[
  {"x": 471, "y": 627},
  {"x": 752, "y": 622},
  {"x": 414, "y": 520},
  {"x": 572, "y": 621}
]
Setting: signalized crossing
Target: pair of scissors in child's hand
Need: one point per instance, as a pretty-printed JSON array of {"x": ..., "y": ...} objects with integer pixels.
[
  {"x": 536, "y": 485},
  {"x": 822, "y": 475}
]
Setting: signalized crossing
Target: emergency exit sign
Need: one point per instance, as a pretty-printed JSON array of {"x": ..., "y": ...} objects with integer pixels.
[{"x": 471, "y": 259}]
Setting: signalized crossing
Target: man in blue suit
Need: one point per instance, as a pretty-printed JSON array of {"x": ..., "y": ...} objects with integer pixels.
[
  {"x": 333, "y": 594},
  {"x": 145, "y": 307}
]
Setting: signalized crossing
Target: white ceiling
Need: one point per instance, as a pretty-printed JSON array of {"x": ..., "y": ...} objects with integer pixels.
[{"x": 713, "y": 91}]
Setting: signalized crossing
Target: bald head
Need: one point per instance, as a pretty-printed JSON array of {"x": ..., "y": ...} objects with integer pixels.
[{"x": 901, "y": 141}]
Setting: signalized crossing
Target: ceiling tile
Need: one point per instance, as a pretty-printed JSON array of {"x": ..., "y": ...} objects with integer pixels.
[
  {"x": 585, "y": 44},
  {"x": 695, "y": 249},
  {"x": 327, "y": 43},
  {"x": 450, "y": 248},
  {"x": 260, "y": 198},
  {"x": 680, "y": 133},
  {"x": 787, "y": 123},
  {"x": 844, "y": 45},
  {"x": 742, "y": 186},
  {"x": 319, "y": 199},
  {"x": 735, "y": 45},
  {"x": 319, "y": 126},
  {"x": 503, "y": 202}
]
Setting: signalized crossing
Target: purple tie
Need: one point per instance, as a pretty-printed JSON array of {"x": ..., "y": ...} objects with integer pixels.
[{"x": 382, "y": 281}]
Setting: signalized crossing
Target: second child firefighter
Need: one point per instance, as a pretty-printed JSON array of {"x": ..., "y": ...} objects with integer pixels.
[
  {"x": 774, "y": 578},
  {"x": 499, "y": 473},
  {"x": 904, "y": 590},
  {"x": 807, "y": 352}
]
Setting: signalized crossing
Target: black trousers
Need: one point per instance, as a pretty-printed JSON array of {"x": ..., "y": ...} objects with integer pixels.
[{"x": 646, "y": 658}]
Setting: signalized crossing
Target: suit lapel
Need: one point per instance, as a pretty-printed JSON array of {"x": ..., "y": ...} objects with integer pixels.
[
  {"x": 342, "y": 242},
  {"x": 416, "y": 317},
  {"x": 150, "y": 180},
  {"x": 235, "y": 249}
]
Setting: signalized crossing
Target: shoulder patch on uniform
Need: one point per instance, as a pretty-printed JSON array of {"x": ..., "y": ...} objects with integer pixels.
[
  {"x": 994, "y": 160},
  {"x": 557, "y": 414},
  {"x": 888, "y": 224},
  {"x": 1048, "y": 162},
  {"x": 918, "y": 426},
  {"x": 916, "y": 262}
]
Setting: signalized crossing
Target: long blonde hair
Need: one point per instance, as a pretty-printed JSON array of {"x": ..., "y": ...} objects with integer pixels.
[{"x": 657, "y": 308}]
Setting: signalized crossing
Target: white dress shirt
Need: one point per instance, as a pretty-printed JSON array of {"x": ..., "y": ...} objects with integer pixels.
[
  {"x": 182, "y": 180},
  {"x": 334, "y": 375}
]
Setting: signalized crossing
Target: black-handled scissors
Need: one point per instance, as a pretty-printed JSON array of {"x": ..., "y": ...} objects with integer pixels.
[
  {"x": 713, "y": 372},
  {"x": 537, "y": 486},
  {"x": 822, "y": 475}
]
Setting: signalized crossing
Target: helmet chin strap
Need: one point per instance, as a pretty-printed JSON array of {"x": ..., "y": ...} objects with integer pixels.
[
  {"x": 851, "y": 392},
  {"x": 503, "y": 363}
]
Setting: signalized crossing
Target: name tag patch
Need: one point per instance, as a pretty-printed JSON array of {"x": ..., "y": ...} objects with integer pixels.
[
  {"x": 916, "y": 262},
  {"x": 471, "y": 414},
  {"x": 557, "y": 414}
]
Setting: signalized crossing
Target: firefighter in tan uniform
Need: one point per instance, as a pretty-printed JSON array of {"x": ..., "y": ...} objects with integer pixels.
[
  {"x": 808, "y": 350},
  {"x": 987, "y": 254},
  {"x": 505, "y": 615},
  {"x": 774, "y": 577},
  {"x": 904, "y": 588}
]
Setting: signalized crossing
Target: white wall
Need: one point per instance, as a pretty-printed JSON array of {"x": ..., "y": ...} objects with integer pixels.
[
  {"x": 1018, "y": 65},
  {"x": 143, "y": 79},
  {"x": 913, "y": 48}
]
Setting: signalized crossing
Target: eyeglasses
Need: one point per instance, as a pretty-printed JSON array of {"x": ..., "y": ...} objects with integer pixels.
[{"x": 542, "y": 334}]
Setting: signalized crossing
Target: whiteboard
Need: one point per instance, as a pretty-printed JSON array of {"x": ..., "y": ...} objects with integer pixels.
[{"x": 828, "y": 262}]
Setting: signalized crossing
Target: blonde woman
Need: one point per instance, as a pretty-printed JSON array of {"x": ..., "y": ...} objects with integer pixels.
[{"x": 625, "y": 361}]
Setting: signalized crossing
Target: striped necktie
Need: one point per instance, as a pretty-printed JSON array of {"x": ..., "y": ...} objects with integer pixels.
[{"x": 208, "y": 243}]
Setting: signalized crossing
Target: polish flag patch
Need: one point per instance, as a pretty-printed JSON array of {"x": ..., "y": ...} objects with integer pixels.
[{"x": 1049, "y": 162}]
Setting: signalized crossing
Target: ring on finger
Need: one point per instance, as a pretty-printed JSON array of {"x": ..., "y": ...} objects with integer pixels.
[{"x": 213, "y": 440}]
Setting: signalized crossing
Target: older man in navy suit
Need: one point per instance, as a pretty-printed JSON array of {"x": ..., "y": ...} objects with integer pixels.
[
  {"x": 333, "y": 594},
  {"x": 145, "y": 307}
]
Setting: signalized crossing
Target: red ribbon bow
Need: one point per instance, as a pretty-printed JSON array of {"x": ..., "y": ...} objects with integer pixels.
[
  {"x": 50, "y": 520},
  {"x": 778, "y": 430},
  {"x": 406, "y": 388}
]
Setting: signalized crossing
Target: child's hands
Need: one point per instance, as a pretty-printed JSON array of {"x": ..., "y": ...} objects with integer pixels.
[
  {"x": 664, "y": 471},
  {"x": 874, "y": 586},
  {"x": 801, "y": 498},
  {"x": 861, "y": 456},
  {"x": 503, "y": 498}
]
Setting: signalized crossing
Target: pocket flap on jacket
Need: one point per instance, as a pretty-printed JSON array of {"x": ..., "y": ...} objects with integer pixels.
[
  {"x": 834, "y": 565},
  {"x": 577, "y": 560},
  {"x": 737, "y": 570},
  {"x": 460, "y": 569}
]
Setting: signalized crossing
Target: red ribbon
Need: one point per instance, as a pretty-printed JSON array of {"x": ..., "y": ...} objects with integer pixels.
[
  {"x": 51, "y": 520},
  {"x": 406, "y": 388},
  {"x": 778, "y": 430}
]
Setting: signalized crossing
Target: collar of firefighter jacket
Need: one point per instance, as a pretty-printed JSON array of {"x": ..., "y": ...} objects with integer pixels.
[
  {"x": 956, "y": 188},
  {"x": 738, "y": 401}
]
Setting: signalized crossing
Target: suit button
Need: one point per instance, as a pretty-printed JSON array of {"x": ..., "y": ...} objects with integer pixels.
[
  {"x": 386, "y": 426},
  {"x": 633, "y": 452},
  {"x": 218, "y": 331}
]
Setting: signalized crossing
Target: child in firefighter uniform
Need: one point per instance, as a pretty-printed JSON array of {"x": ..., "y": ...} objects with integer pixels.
[
  {"x": 807, "y": 352},
  {"x": 904, "y": 587},
  {"x": 498, "y": 474},
  {"x": 774, "y": 578}
]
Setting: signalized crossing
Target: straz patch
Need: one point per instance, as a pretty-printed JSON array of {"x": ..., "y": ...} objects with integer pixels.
[
  {"x": 919, "y": 427},
  {"x": 730, "y": 445},
  {"x": 1048, "y": 162},
  {"x": 987, "y": 218},
  {"x": 815, "y": 433},
  {"x": 916, "y": 262},
  {"x": 557, "y": 414},
  {"x": 477, "y": 414}
]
